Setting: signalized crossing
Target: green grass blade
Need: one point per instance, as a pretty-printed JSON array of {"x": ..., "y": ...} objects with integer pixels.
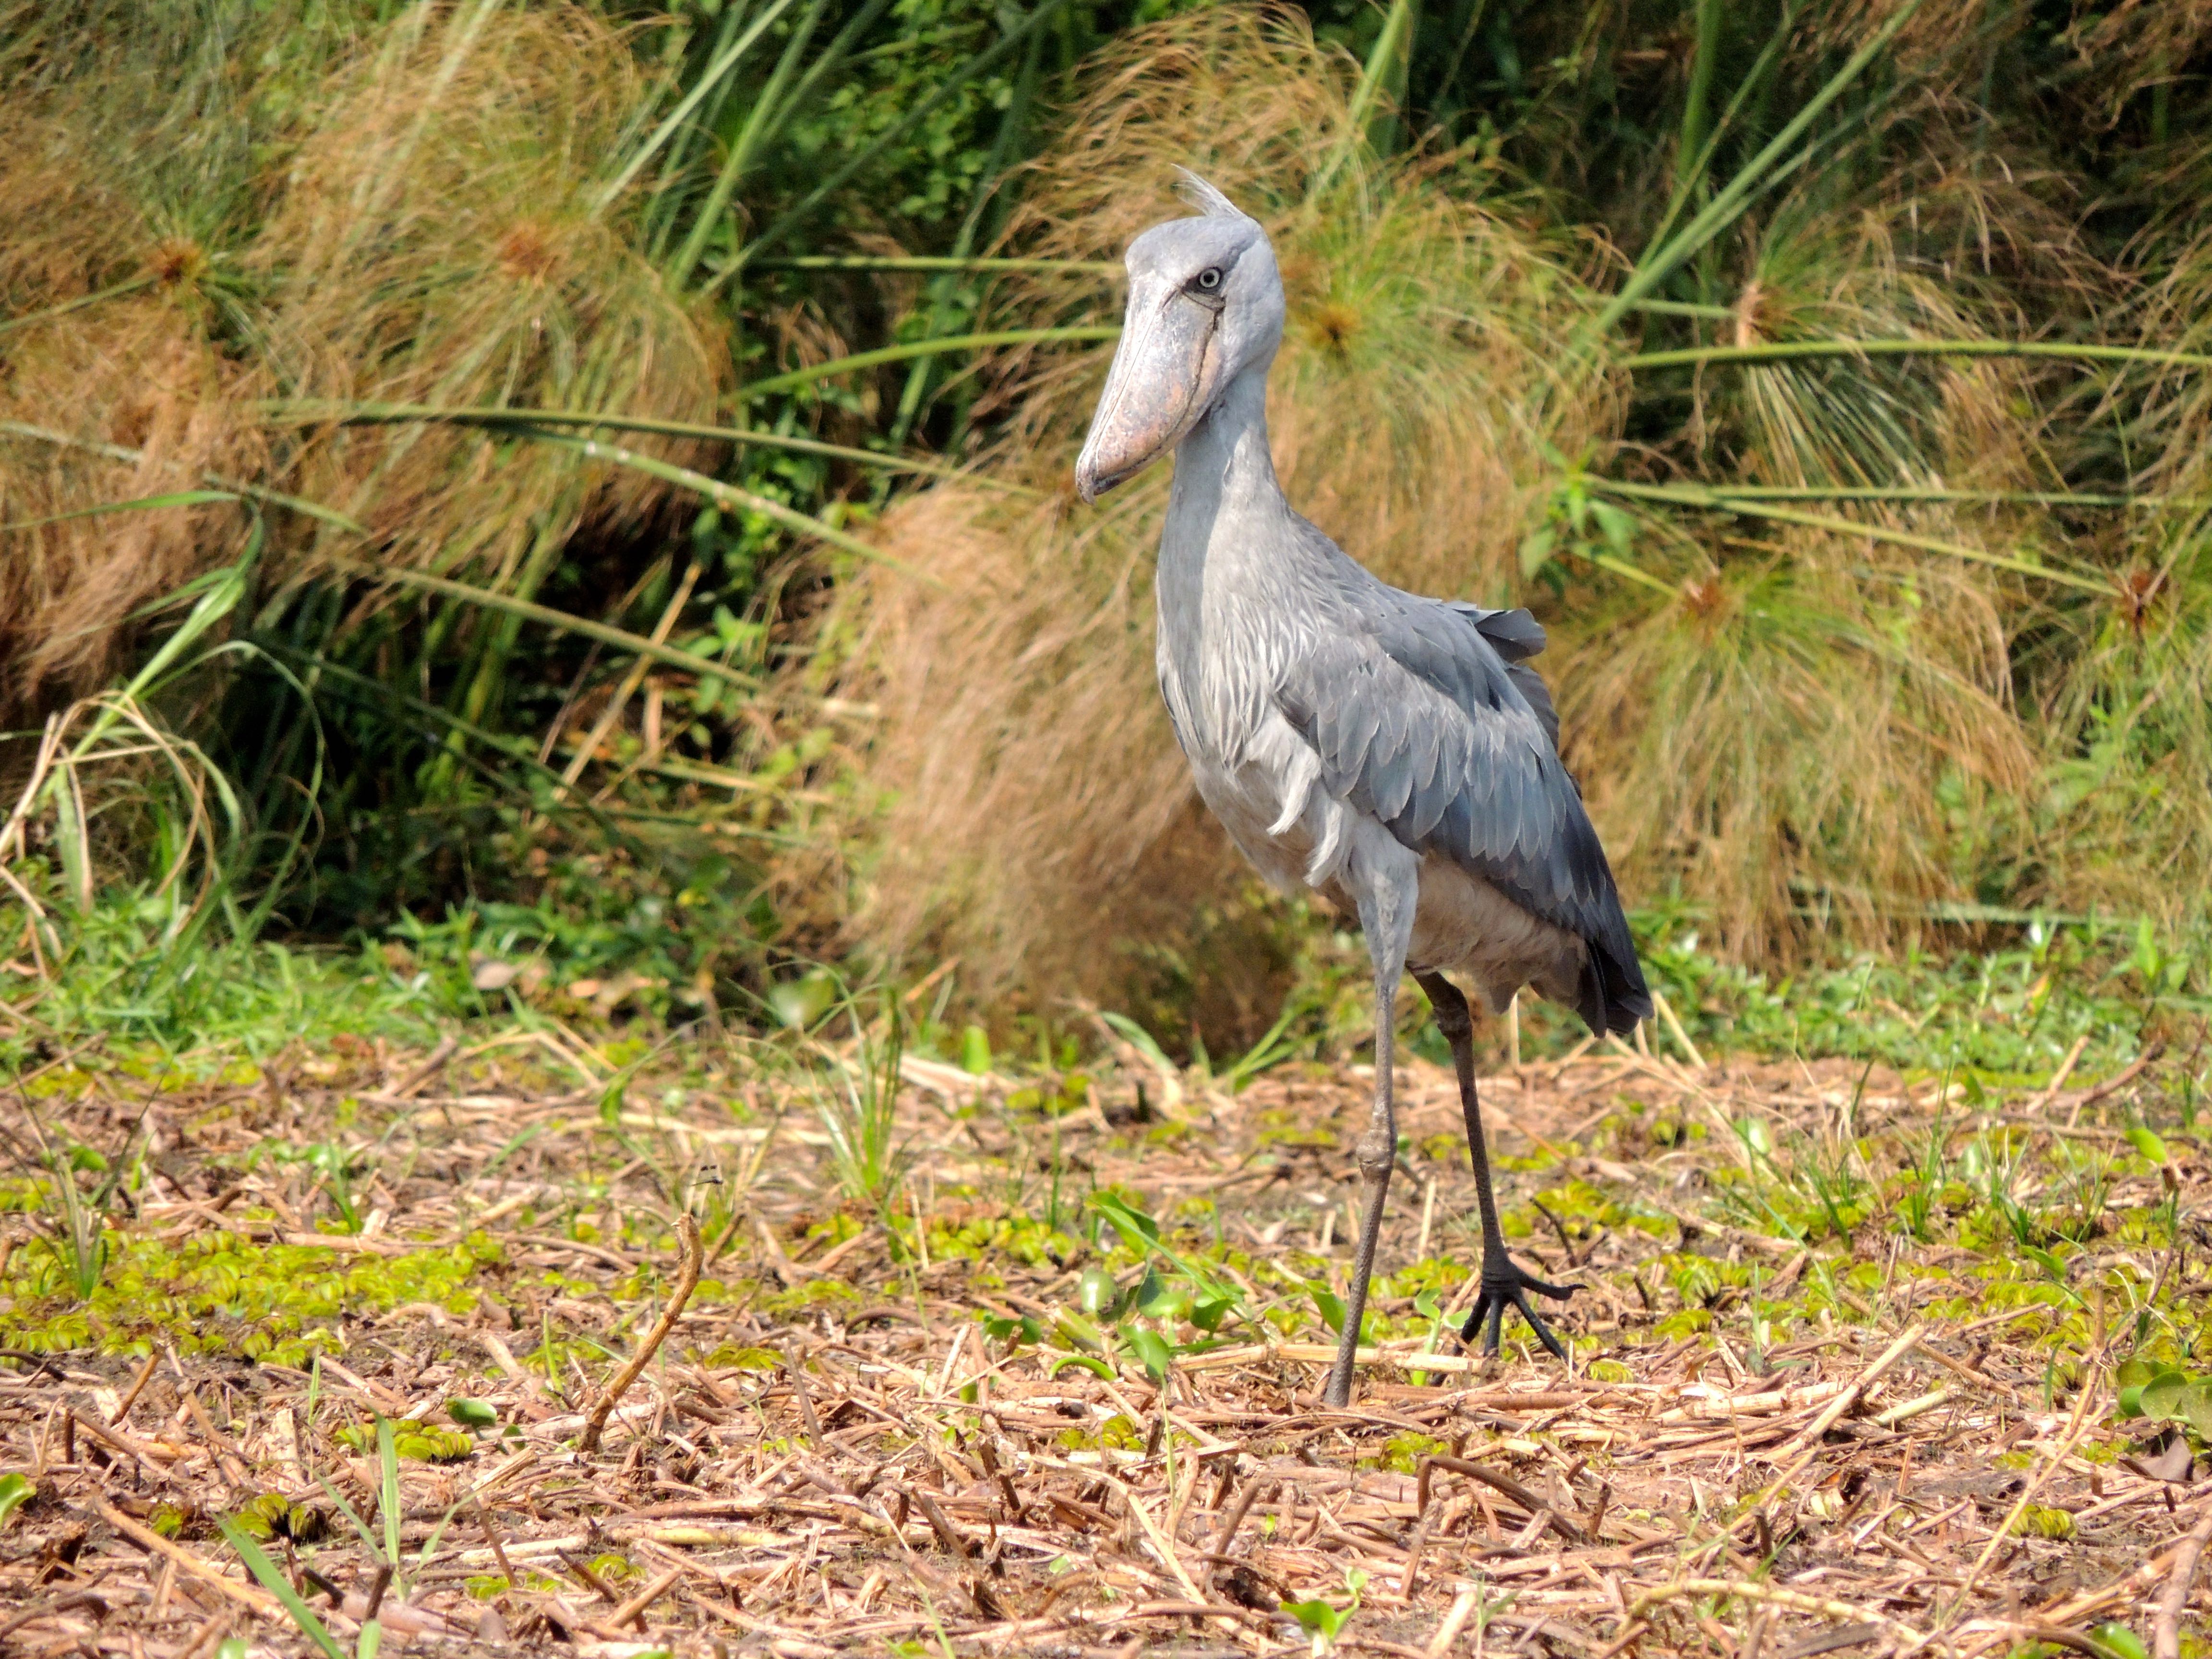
[
  {"x": 220, "y": 598},
  {"x": 1691, "y": 148},
  {"x": 117, "y": 292},
  {"x": 366, "y": 687},
  {"x": 118, "y": 453},
  {"x": 1719, "y": 502},
  {"x": 708, "y": 80},
  {"x": 1686, "y": 184},
  {"x": 387, "y": 1458},
  {"x": 1655, "y": 267},
  {"x": 833, "y": 57},
  {"x": 1385, "y": 63},
  {"x": 142, "y": 504},
  {"x": 899, "y": 354},
  {"x": 1788, "y": 351},
  {"x": 529, "y": 611},
  {"x": 273, "y": 1580},
  {"x": 939, "y": 262},
  {"x": 1909, "y": 496},
  {"x": 315, "y": 412},
  {"x": 766, "y": 113},
  {"x": 1684, "y": 308},
  {"x": 980, "y": 64},
  {"x": 730, "y": 496},
  {"x": 218, "y": 601},
  {"x": 245, "y": 925}
]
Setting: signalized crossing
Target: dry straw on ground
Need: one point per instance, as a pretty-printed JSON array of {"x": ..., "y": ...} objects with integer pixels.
[{"x": 831, "y": 1455}]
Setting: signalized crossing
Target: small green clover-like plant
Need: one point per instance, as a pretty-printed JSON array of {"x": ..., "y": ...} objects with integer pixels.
[
  {"x": 1152, "y": 1353},
  {"x": 1016, "y": 1331},
  {"x": 1324, "y": 1621},
  {"x": 2165, "y": 1394},
  {"x": 2119, "y": 1641},
  {"x": 2037, "y": 1522},
  {"x": 1096, "y": 1293},
  {"x": 432, "y": 1445},
  {"x": 272, "y": 1515},
  {"x": 472, "y": 1413},
  {"x": 420, "y": 1442},
  {"x": 1193, "y": 1294},
  {"x": 15, "y": 1490}
]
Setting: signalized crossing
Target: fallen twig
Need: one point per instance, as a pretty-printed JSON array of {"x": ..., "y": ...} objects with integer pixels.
[
  {"x": 687, "y": 1280},
  {"x": 1774, "y": 1595},
  {"x": 2165, "y": 1634},
  {"x": 146, "y": 1538}
]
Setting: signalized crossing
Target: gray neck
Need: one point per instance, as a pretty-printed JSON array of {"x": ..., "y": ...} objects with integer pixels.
[
  {"x": 1224, "y": 465},
  {"x": 1225, "y": 490}
]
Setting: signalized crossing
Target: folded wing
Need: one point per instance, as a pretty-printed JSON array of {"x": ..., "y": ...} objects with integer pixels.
[{"x": 1422, "y": 716}]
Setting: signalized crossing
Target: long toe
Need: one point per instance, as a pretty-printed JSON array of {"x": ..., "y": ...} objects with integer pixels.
[
  {"x": 1536, "y": 1324},
  {"x": 1506, "y": 1284},
  {"x": 1467, "y": 1332}
]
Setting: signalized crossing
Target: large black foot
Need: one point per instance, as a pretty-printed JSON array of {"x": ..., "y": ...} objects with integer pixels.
[{"x": 1506, "y": 1284}]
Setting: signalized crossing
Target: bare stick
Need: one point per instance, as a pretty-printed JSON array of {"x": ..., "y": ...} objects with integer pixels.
[
  {"x": 138, "y": 1384},
  {"x": 2165, "y": 1634},
  {"x": 1462, "y": 1609},
  {"x": 1807, "y": 1441},
  {"x": 2065, "y": 1070},
  {"x": 1513, "y": 1489},
  {"x": 1674, "y": 1029},
  {"x": 632, "y": 1612},
  {"x": 687, "y": 1280},
  {"x": 247, "y": 1595}
]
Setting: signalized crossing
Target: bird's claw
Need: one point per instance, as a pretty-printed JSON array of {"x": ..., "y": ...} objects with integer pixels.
[{"x": 1506, "y": 1284}]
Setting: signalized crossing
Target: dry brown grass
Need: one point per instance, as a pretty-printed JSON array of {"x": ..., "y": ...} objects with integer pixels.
[
  {"x": 1821, "y": 728},
  {"x": 434, "y": 235},
  {"x": 138, "y": 372},
  {"x": 1826, "y": 715},
  {"x": 441, "y": 242}
]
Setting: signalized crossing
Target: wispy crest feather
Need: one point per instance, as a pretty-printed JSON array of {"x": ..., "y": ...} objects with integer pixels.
[{"x": 1205, "y": 198}]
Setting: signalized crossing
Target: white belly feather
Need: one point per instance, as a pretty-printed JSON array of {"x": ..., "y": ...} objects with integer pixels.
[{"x": 1296, "y": 834}]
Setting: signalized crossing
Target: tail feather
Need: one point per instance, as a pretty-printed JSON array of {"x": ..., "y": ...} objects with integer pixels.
[{"x": 1612, "y": 996}]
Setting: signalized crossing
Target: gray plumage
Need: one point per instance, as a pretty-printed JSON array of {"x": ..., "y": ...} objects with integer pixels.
[{"x": 1394, "y": 753}]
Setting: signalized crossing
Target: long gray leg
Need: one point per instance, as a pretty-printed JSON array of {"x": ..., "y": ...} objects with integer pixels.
[
  {"x": 1505, "y": 1285},
  {"x": 1386, "y": 915}
]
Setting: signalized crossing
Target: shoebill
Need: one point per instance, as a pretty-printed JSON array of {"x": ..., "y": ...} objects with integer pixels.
[{"x": 1391, "y": 751}]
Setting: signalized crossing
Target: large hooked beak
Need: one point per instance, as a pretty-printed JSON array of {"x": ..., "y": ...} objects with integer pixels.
[{"x": 1163, "y": 380}]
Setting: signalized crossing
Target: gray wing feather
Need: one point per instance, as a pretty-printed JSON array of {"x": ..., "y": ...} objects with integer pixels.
[
  {"x": 1421, "y": 715},
  {"x": 1516, "y": 636}
]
